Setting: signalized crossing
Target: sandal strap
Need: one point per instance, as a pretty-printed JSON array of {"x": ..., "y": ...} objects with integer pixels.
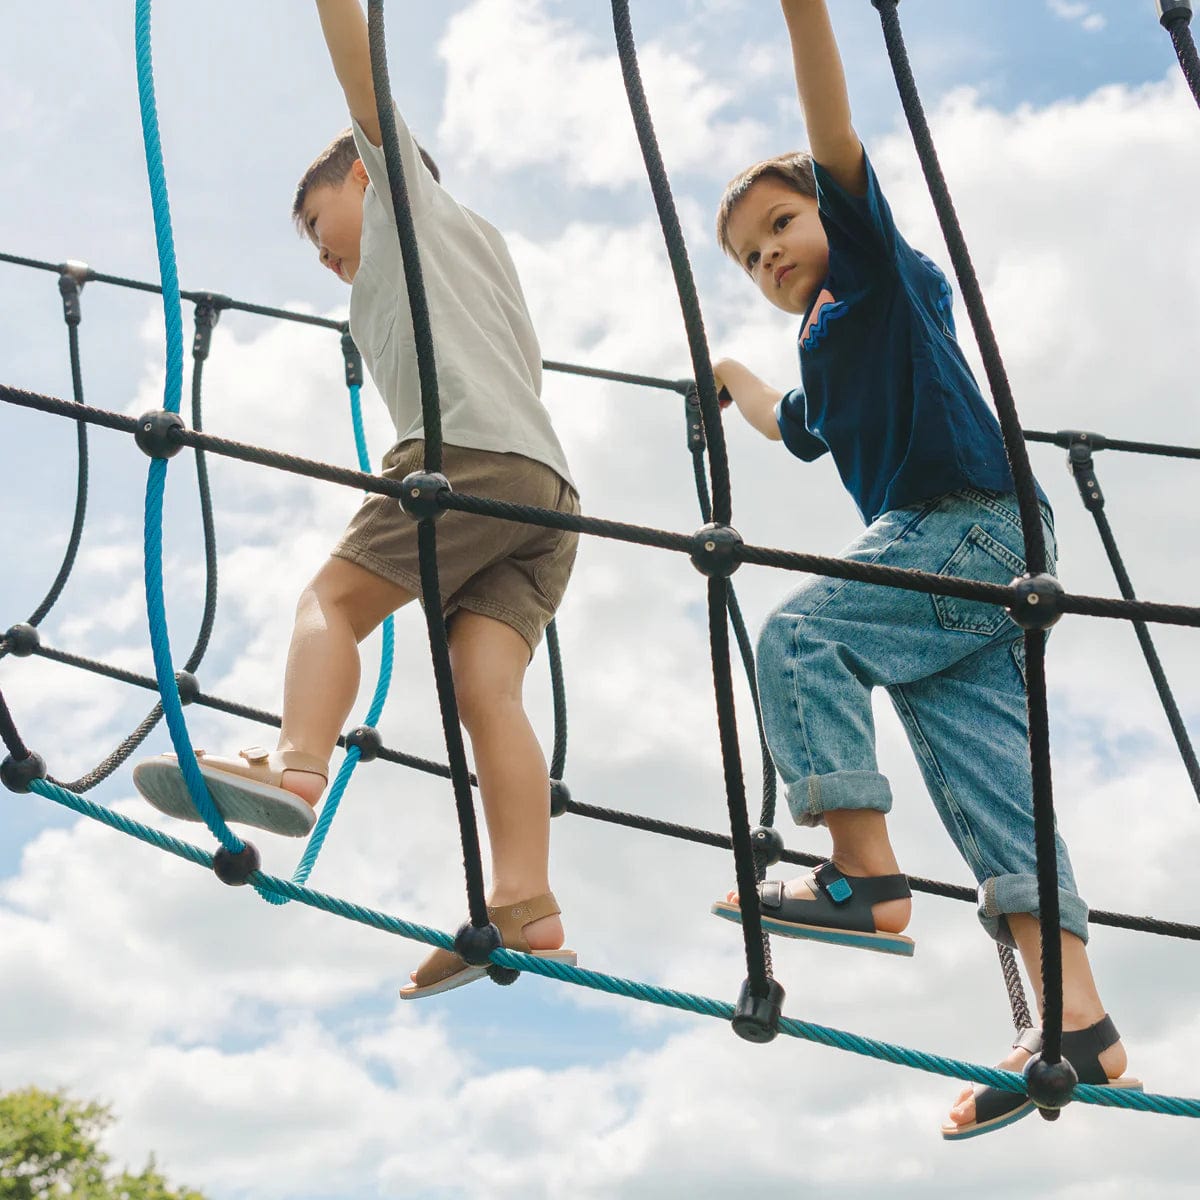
[
  {"x": 287, "y": 760},
  {"x": 511, "y": 919},
  {"x": 870, "y": 889},
  {"x": 1083, "y": 1047},
  {"x": 1030, "y": 1040}
]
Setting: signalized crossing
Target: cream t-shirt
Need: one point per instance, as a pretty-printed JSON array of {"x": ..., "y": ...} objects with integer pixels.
[{"x": 489, "y": 364}]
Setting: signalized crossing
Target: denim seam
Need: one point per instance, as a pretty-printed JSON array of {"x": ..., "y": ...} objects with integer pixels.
[{"x": 926, "y": 751}]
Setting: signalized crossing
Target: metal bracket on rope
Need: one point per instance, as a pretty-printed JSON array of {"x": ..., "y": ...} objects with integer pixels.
[
  {"x": 756, "y": 1018},
  {"x": 208, "y": 313},
  {"x": 72, "y": 277},
  {"x": 714, "y": 550},
  {"x": 1079, "y": 462},
  {"x": 1050, "y": 1085},
  {"x": 1171, "y": 12},
  {"x": 153, "y": 433},
  {"x": 1037, "y": 605},
  {"x": 22, "y": 640},
  {"x": 421, "y": 492},
  {"x": 367, "y": 741},
  {"x": 695, "y": 419},
  {"x": 354, "y": 362},
  {"x": 18, "y": 773}
]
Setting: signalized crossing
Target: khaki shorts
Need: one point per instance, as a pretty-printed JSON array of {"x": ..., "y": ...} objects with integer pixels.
[{"x": 502, "y": 569}]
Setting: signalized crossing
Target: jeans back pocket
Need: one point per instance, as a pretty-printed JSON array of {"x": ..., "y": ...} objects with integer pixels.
[{"x": 981, "y": 557}]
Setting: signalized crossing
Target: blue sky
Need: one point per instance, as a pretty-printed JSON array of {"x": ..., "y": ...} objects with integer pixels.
[{"x": 182, "y": 1004}]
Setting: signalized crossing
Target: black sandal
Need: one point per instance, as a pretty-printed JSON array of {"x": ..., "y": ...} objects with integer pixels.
[
  {"x": 839, "y": 913},
  {"x": 996, "y": 1108}
]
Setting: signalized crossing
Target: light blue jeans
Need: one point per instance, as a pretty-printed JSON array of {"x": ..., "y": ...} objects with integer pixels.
[{"x": 955, "y": 671}]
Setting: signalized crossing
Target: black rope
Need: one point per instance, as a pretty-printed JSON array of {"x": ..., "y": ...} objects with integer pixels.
[
  {"x": 1067, "y": 437},
  {"x": 685, "y": 285},
  {"x": 790, "y": 560},
  {"x": 1016, "y": 990},
  {"x": 9, "y": 735},
  {"x": 410, "y": 251},
  {"x": 1175, "y": 18},
  {"x": 558, "y": 756}
]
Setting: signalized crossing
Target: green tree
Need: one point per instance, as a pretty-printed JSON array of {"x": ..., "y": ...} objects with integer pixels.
[{"x": 49, "y": 1151}]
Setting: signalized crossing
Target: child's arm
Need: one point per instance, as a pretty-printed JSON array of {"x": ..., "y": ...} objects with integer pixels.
[
  {"x": 821, "y": 85},
  {"x": 345, "y": 30},
  {"x": 755, "y": 399}
]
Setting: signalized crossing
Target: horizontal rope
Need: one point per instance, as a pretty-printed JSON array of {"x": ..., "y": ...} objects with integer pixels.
[{"x": 824, "y": 1035}]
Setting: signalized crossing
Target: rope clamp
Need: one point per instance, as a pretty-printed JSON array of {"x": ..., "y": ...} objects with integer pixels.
[
  {"x": 354, "y": 362},
  {"x": 560, "y": 797},
  {"x": 767, "y": 844},
  {"x": 695, "y": 420},
  {"x": 1079, "y": 463},
  {"x": 153, "y": 433},
  {"x": 420, "y": 495},
  {"x": 756, "y": 1018},
  {"x": 22, "y": 640},
  {"x": 69, "y": 287},
  {"x": 714, "y": 550},
  {"x": 1037, "y": 604},
  {"x": 1050, "y": 1085},
  {"x": 474, "y": 943},
  {"x": 1171, "y": 12},
  {"x": 208, "y": 312},
  {"x": 236, "y": 869},
  {"x": 367, "y": 740},
  {"x": 188, "y": 687}
]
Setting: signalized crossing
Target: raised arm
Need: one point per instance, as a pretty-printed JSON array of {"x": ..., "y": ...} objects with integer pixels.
[
  {"x": 345, "y": 28},
  {"x": 821, "y": 85}
]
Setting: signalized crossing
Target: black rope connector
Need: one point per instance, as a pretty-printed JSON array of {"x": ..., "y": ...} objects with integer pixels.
[
  {"x": 69, "y": 287},
  {"x": 1037, "y": 602},
  {"x": 421, "y": 492},
  {"x": 153, "y": 433},
  {"x": 236, "y": 869},
  {"x": 1083, "y": 469},
  {"x": 714, "y": 550},
  {"x": 767, "y": 844},
  {"x": 695, "y": 419},
  {"x": 354, "y": 362},
  {"x": 208, "y": 313},
  {"x": 756, "y": 1019},
  {"x": 1050, "y": 1085},
  {"x": 560, "y": 797},
  {"x": 367, "y": 740},
  {"x": 474, "y": 943},
  {"x": 1171, "y": 12},
  {"x": 504, "y": 976},
  {"x": 18, "y": 773},
  {"x": 22, "y": 640},
  {"x": 189, "y": 687}
]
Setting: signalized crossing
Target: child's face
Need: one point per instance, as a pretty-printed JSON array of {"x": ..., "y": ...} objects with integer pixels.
[
  {"x": 333, "y": 218},
  {"x": 780, "y": 242}
]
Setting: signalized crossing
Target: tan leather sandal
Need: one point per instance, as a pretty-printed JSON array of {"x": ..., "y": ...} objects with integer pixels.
[
  {"x": 246, "y": 789},
  {"x": 443, "y": 970}
]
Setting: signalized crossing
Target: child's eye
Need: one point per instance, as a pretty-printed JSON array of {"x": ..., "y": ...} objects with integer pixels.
[
  {"x": 751, "y": 260},
  {"x": 781, "y": 221}
]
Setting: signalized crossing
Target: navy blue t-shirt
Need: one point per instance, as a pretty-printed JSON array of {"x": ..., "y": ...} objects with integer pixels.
[{"x": 886, "y": 389}]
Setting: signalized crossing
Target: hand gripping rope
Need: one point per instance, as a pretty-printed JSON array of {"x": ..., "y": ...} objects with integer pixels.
[{"x": 717, "y": 550}]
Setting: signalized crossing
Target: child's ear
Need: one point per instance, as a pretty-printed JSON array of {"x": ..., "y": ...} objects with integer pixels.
[{"x": 359, "y": 172}]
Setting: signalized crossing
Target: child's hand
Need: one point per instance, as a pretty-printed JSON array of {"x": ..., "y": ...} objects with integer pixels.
[
  {"x": 723, "y": 396},
  {"x": 756, "y": 400}
]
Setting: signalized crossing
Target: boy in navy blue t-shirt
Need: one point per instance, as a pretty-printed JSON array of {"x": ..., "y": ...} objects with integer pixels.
[{"x": 887, "y": 392}]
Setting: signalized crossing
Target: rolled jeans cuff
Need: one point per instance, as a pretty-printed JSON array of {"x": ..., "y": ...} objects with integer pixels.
[
  {"x": 809, "y": 799},
  {"x": 1004, "y": 894}
]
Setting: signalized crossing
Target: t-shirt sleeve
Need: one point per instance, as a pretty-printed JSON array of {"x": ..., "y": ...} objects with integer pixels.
[
  {"x": 789, "y": 413},
  {"x": 418, "y": 180},
  {"x": 858, "y": 227}
]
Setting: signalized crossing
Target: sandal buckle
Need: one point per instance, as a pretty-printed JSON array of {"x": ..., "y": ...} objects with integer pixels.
[{"x": 833, "y": 883}]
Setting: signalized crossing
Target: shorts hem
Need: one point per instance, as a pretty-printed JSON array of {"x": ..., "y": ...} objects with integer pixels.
[
  {"x": 377, "y": 565},
  {"x": 500, "y": 612}
]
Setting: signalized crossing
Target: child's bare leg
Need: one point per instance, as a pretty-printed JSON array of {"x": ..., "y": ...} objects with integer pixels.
[
  {"x": 489, "y": 660},
  {"x": 861, "y": 846},
  {"x": 1082, "y": 1006},
  {"x": 340, "y": 607}
]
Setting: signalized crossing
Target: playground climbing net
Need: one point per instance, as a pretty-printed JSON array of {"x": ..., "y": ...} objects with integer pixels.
[{"x": 1036, "y": 601}]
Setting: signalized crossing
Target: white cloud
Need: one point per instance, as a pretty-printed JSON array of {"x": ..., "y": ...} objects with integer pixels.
[{"x": 1076, "y": 10}]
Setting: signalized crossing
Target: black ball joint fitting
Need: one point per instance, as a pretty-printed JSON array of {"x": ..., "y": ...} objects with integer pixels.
[
  {"x": 153, "y": 433},
  {"x": 767, "y": 844},
  {"x": 22, "y": 640},
  {"x": 756, "y": 1018},
  {"x": 1171, "y": 12},
  {"x": 1050, "y": 1085},
  {"x": 503, "y": 975},
  {"x": 474, "y": 943},
  {"x": 1037, "y": 605},
  {"x": 714, "y": 550},
  {"x": 236, "y": 869},
  {"x": 18, "y": 773},
  {"x": 367, "y": 741},
  {"x": 189, "y": 687},
  {"x": 560, "y": 797},
  {"x": 421, "y": 491}
]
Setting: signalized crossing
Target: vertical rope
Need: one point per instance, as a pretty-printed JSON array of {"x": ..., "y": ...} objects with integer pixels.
[
  {"x": 558, "y": 756},
  {"x": 1175, "y": 20}
]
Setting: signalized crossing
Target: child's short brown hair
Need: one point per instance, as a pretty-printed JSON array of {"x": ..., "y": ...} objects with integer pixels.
[
  {"x": 794, "y": 169},
  {"x": 332, "y": 166}
]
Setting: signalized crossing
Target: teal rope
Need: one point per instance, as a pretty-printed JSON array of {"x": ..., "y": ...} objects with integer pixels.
[
  {"x": 333, "y": 801},
  {"x": 936, "y": 1064}
]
